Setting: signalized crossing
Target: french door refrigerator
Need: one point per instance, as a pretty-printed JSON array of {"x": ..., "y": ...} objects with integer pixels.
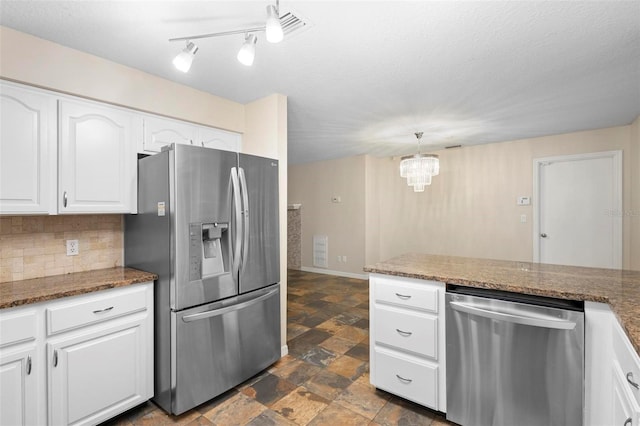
[{"x": 207, "y": 225}]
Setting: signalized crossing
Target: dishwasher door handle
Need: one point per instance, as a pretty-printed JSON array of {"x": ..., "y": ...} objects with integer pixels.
[{"x": 524, "y": 319}]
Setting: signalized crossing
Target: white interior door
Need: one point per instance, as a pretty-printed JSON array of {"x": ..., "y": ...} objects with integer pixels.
[{"x": 578, "y": 215}]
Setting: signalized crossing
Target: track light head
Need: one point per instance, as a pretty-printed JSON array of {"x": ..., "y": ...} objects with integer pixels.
[
  {"x": 185, "y": 58},
  {"x": 273, "y": 26},
  {"x": 247, "y": 52}
]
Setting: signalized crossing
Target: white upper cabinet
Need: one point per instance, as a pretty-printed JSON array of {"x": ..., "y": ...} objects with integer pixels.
[
  {"x": 218, "y": 139},
  {"x": 159, "y": 132},
  {"x": 97, "y": 158},
  {"x": 27, "y": 151}
]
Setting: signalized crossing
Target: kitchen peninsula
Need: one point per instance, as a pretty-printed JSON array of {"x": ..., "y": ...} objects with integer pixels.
[{"x": 414, "y": 285}]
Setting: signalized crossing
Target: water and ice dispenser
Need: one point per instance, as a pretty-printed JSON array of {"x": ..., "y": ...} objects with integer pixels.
[{"x": 208, "y": 250}]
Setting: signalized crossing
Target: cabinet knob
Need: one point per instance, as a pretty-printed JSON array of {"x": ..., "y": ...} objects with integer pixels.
[
  {"x": 631, "y": 381},
  {"x": 543, "y": 235}
]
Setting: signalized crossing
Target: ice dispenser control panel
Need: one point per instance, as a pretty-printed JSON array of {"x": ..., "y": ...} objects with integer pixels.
[{"x": 206, "y": 250}]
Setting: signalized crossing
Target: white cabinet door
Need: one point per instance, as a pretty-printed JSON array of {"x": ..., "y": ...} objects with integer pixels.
[
  {"x": 94, "y": 376},
  {"x": 218, "y": 139},
  {"x": 18, "y": 388},
  {"x": 97, "y": 166},
  {"x": 159, "y": 132},
  {"x": 27, "y": 151}
]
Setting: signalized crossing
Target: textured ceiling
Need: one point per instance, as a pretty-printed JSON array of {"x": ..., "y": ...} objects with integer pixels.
[{"x": 366, "y": 75}]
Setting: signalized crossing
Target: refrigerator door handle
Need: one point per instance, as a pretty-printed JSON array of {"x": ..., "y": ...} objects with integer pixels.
[
  {"x": 245, "y": 214},
  {"x": 227, "y": 309},
  {"x": 237, "y": 209}
]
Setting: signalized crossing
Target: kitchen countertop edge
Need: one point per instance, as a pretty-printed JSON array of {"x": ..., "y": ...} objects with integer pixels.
[
  {"x": 36, "y": 290},
  {"x": 630, "y": 321}
]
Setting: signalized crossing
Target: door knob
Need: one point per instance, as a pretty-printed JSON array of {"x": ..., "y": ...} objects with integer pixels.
[{"x": 543, "y": 235}]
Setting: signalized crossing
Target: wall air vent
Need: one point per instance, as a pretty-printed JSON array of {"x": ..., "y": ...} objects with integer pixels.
[{"x": 292, "y": 24}]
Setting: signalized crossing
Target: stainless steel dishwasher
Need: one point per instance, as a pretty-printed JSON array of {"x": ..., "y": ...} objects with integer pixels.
[{"x": 513, "y": 359}]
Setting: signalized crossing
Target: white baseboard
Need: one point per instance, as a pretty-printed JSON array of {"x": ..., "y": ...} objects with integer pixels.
[
  {"x": 338, "y": 273},
  {"x": 284, "y": 350}
]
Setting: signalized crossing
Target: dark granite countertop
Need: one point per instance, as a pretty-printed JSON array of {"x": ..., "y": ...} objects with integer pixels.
[
  {"x": 619, "y": 288},
  {"x": 24, "y": 292}
]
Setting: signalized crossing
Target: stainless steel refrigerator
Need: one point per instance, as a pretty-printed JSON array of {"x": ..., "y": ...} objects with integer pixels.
[{"x": 207, "y": 224}]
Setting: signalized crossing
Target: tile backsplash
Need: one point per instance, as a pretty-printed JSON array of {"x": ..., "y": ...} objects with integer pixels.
[{"x": 35, "y": 246}]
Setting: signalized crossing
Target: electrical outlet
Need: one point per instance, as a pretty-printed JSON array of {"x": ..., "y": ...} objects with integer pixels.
[
  {"x": 73, "y": 248},
  {"x": 344, "y": 259}
]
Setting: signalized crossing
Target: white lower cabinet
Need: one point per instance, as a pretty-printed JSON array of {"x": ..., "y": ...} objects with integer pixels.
[
  {"x": 18, "y": 388},
  {"x": 612, "y": 374},
  {"x": 407, "y": 339},
  {"x": 117, "y": 384},
  {"x": 89, "y": 357}
]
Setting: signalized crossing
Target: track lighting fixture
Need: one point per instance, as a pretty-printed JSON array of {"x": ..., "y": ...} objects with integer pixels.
[
  {"x": 185, "y": 58},
  {"x": 273, "y": 27},
  {"x": 246, "y": 55},
  {"x": 247, "y": 52}
]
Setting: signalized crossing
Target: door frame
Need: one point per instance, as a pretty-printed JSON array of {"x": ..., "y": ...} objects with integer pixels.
[{"x": 616, "y": 157}]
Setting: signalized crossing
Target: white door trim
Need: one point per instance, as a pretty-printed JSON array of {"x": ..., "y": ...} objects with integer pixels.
[{"x": 616, "y": 156}]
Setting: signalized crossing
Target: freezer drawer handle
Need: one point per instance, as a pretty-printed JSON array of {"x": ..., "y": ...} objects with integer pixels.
[
  {"x": 403, "y": 296},
  {"x": 402, "y": 379},
  {"x": 631, "y": 381},
  {"x": 404, "y": 333},
  {"x": 98, "y": 311},
  {"x": 535, "y": 321},
  {"x": 222, "y": 311}
]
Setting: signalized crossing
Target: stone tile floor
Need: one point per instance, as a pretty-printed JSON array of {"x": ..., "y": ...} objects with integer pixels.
[{"x": 323, "y": 380}]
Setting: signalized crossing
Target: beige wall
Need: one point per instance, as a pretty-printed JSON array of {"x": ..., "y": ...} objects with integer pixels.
[
  {"x": 31, "y": 60},
  {"x": 313, "y": 185},
  {"x": 633, "y": 214},
  {"x": 469, "y": 210},
  {"x": 266, "y": 136}
]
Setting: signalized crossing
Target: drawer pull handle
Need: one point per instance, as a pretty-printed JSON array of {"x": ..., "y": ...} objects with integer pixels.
[
  {"x": 402, "y": 379},
  {"x": 64, "y": 199},
  {"x": 631, "y": 381},
  {"x": 55, "y": 358},
  {"x": 404, "y": 333},
  {"x": 628, "y": 422},
  {"x": 404, "y": 296},
  {"x": 28, "y": 365},
  {"x": 99, "y": 311}
]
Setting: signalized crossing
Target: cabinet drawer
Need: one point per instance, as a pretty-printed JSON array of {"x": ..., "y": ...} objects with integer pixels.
[
  {"x": 407, "y": 378},
  {"x": 402, "y": 292},
  {"x": 17, "y": 327},
  {"x": 88, "y": 310},
  {"x": 410, "y": 331},
  {"x": 627, "y": 358}
]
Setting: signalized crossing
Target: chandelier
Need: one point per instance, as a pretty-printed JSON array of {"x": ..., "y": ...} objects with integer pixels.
[{"x": 419, "y": 168}]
